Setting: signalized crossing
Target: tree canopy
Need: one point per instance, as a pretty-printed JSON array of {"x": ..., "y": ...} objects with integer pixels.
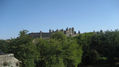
[{"x": 63, "y": 51}]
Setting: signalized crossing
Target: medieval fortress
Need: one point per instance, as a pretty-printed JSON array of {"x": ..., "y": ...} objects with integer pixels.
[{"x": 45, "y": 35}]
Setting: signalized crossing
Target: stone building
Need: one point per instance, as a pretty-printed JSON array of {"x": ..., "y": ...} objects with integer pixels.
[
  {"x": 68, "y": 32},
  {"x": 8, "y": 60}
]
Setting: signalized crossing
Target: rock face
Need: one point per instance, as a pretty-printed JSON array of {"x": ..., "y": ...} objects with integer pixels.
[
  {"x": 8, "y": 60},
  {"x": 45, "y": 35}
]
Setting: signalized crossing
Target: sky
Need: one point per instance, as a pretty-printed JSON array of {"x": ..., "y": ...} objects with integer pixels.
[{"x": 36, "y": 15}]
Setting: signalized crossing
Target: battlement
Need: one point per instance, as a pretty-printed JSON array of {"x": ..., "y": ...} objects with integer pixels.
[{"x": 68, "y": 32}]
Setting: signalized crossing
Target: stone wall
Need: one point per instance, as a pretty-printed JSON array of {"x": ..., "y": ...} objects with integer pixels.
[
  {"x": 8, "y": 60},
  {"x": 68, "y": 32}
]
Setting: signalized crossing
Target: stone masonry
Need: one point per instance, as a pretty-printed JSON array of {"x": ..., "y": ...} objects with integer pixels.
[
  {"x": 8, "y": 60},
  {"x": 45, "y": 35}
]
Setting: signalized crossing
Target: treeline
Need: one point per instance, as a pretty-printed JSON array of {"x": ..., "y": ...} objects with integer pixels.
[
  {"x": 58, "y": 51},
  {"x": 61, "y": 51},
  {"x": 100, "y": 47}
]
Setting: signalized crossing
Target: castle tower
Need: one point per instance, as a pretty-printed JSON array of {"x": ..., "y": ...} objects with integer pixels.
[
  {"x": 50, "y": 31},
  {"x": 78, "y": 32},
  {"x": 53, "y": 31},
  {"x": 72, "y": 30},
  {"x": 67, "y": 29},
  {"x": 40, "y": 34}
]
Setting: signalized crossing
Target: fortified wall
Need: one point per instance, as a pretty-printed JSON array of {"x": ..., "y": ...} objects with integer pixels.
[{"x": 68, "y": 32}]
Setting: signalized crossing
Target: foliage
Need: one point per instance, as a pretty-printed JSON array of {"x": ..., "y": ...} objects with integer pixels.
[
  {"x": 24, "y": 49},
  {"x": 4, "y": 46},
  {"x": 58, "y": 51},
  {"x": 58, "y": 36},
  {"x": 105, "y": 44},
  {"x": 62, "y": 51}
]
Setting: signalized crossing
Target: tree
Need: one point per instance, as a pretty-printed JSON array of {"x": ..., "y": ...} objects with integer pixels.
[
  {"x": 72, "y": 53},
  {"x": 59, "y": 51},
  {"x": 58, "y": 36},
  {"x": 4, "y": 46},
  {"x": 24, "y": 49},
  {"x": 50, "y": 53}
]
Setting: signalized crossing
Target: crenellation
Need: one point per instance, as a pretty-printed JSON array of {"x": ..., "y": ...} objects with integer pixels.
[{"x": 68, "y": 32}]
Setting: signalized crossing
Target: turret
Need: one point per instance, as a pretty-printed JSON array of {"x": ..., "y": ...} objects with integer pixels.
[
  {"x": 78, "y": 32},
  {"x": 73, "y": 32},
  {"x": 40, "y": 34},
  {"x": 50, "y": 31},
  {"x": 53, "y": 31},
  {"x": 67, "y": 29},
  {"x": 72, "y": 29}
]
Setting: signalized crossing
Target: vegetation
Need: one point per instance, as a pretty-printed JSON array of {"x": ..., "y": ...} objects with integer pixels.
[
  {"x": 58, "y": 51},
  {"x": 61, "y": 51}
]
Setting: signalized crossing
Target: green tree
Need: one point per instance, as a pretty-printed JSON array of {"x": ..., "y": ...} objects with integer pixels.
[
  {"x": 50, "y": 53},
  {"x": 4, "y": 46},
  {"x": 58, "y": 36},
  {"x": 24, "y": 49}
]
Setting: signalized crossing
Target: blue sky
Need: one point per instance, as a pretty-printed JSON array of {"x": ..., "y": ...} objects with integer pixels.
[{"x": 36, "y": 15}]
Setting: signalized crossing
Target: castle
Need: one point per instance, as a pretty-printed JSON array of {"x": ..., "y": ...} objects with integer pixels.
[{"x": 46, "y": 35}]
